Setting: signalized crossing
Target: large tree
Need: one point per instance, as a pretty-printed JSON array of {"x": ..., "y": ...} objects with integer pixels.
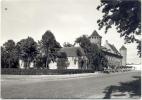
[
  {"x": 125, "y": 15},
  {"x": 49, "y": 46},
  {"x": 4, "y": 58},
  {"x": 84, "y": 42},
  {"x": 94, "y": 54},
  {"x": 27, "y": 50},
  {"x": 9, "y": 55}
]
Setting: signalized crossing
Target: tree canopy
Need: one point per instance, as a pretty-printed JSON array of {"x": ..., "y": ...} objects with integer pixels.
[
  {"x": 84, "y": 42},
  {"x": 49, "y": 46},
  {"x": 125, "y": 15},
  {"x": 27, "y": 50},
  {"x": 9, "y": 55}
]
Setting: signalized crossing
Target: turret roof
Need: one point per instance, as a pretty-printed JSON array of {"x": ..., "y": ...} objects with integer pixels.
[
  {"x": 94, "y": 34},
  {"x": 123, "y": 48}
]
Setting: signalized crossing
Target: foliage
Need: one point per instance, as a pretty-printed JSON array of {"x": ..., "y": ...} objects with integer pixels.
[
  {"x": 67, "y": 44},
  {"x": 94, "y": 54},
  {"x": 62, "y": 61},
  {"x": 84, "y": 42},
  {"x": 125, "y": 15},
  {"x": 97, "y": 57},
  {"x": 40, "y": 61},
  {"x": 49, "y": 46},
  {"x": 27, "y": 50},
  {"x": 132, "y": 88},
  {"x": 4, "y": 58},
  {"x": 79, "y": 53},
  {"x": 9, "y": 55}
]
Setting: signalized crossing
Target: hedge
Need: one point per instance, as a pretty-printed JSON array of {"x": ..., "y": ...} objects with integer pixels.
[{"x": 15, "y": 71}]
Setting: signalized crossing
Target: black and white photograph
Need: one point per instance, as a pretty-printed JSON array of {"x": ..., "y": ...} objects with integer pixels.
[{"x": 70, "y": 49}]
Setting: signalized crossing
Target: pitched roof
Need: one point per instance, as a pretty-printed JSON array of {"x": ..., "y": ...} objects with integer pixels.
[
  {"x": 123, "y": 48},
  {"x": 114, "y": 49},
  {"x": 95, "y": 34},
  {"x": 110, "y": 48},
  {"x": 72, "y": 51},
  {"x": 109, "y": 52}
]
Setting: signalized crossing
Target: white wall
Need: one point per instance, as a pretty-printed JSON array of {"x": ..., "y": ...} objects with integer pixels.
[
  {"x": 21, "y": 64},
  {"x": 72, "y": 65},
  {"x": 53, "y": 65}
]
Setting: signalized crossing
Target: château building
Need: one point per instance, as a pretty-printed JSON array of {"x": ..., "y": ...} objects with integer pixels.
[
  {"x": 114, "y": 57},
  {"x": 78, "y": 60}
]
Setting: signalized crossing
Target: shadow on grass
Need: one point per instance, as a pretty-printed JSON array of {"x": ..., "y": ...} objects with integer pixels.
[{"x": 133, "y": 88}]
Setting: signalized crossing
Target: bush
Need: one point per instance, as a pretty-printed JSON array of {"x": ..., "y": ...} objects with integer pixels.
[
  {"x": 62, "y": 61},
  {"x": 15, "y": 71},
  {"x": 40, "y": 61}
]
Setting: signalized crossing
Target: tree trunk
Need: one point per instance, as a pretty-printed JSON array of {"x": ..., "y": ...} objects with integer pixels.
[
  {"x": 9, "y": 64},
  {"x": 46, "y": 62},
  {"x": 47, "y": 59},
  {"x": 28, "y": 63}
]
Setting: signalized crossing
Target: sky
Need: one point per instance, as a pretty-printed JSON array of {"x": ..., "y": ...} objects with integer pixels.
[{"x": 66, "y": 19}]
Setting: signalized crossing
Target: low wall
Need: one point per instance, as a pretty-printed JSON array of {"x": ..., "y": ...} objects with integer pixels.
[{"x": 14, "y": 71}]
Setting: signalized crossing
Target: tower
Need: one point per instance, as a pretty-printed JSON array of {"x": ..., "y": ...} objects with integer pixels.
[
  {"x": 95, "y": 38},
  {"x": 123, "y": 52}
]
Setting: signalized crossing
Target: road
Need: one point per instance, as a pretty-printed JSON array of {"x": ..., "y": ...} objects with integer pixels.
[{"x": 118, "y": 85}]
